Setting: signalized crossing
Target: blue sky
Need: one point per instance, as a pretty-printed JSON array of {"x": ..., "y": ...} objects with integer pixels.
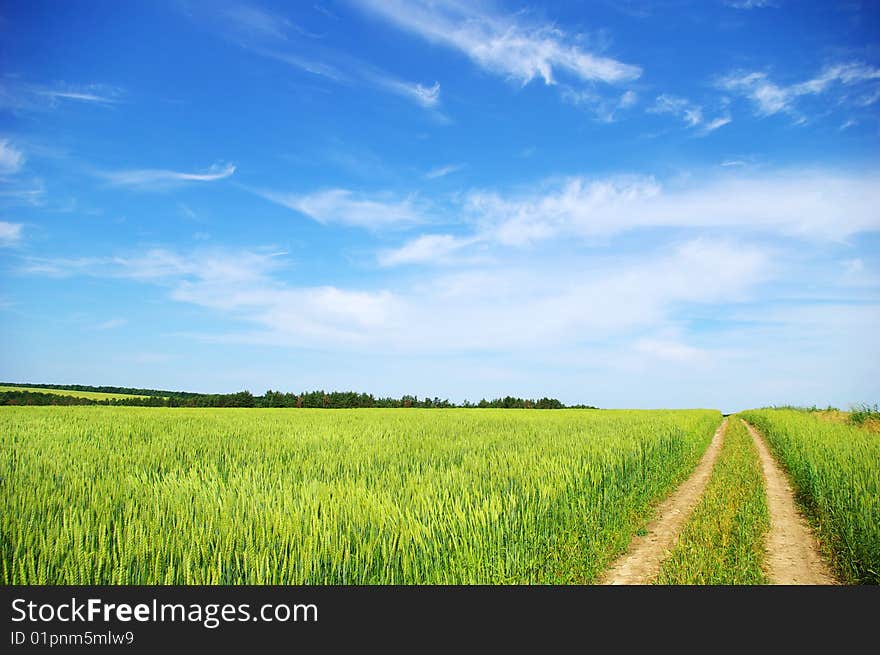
[{"x": 622, "y": 203}]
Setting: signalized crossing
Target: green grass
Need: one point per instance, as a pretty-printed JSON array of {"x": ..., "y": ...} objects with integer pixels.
[
  {"x": 865, "y": 414},
  {"x": 835, "y": 469},
  {"x": 94, "y": 395},
  {"x": 723, "y": 542},
  {"x": 98, "y": 495}
]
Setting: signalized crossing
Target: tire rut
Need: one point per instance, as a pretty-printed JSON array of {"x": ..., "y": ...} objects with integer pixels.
[
  {"x": 641, "y": 563},
  {"x": 792, "y": 552}
]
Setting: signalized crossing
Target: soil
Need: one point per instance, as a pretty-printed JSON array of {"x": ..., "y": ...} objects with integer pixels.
[
  {"x": 641, "y": 563},
  {"x": 792, "y": 550}
]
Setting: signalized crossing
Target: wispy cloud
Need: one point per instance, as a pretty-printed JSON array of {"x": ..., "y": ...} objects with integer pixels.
[
  {"x": 151, "y": 178},
  {"x": 818, "y": 204},
  {"x": 150, "y": 358},
  {"x": 161, "y": 265},
  {"x": 324, "y": 11},
  {"x": 502, "y": 44},
  {"x": 187, "y": 212},
  {"x": 443, "y": 171},
  {"x": 271, "y": 35},
  {"x": 80, "y": 96},
  {"x": 490, "y": 309},
  {"x": 349, "y": 207},
  {"x": 11, "y": 158},
  {"x": 31, "y": 193},
  {"x": 770, "y": 98},
  {"x": 428, "y": 248},
  {"x": 669, "y": 104},
  {"x": 669, "y": 350},
  {"x": 257, "y": 22},
  {"x": 751, "y": 4},
  {"x": 622, "y": 318},
  {"x": 809, "y": 204},
  {"x": 10, "y": 233},
  {"x": 426, "y": 96},
  {"x": 715, "y": 123},
  {"x": 606, "y": 108},
  {"x": 112, "y": 324},
  {"x": 691, "y": 113},
  {"x": 19, "y": 95},
  {"x": 306, "y": 64}
]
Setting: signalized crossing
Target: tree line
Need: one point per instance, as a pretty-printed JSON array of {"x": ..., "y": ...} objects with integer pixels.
[
  {"x": 130, "y": 391},
  {"x": 310, "y": 399}
]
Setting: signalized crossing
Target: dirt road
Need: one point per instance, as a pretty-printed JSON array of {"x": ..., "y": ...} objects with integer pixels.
[
  {"x": 641, "y": 563},
  {"x": 792, "y": 551}
]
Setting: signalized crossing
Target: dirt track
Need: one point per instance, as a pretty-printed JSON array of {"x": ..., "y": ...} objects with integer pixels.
[
  {"x": 792, "y": 552},
  {"x": 641, "y": 563}
]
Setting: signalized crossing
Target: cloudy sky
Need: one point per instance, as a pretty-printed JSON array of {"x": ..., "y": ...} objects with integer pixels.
[{"x": 616, "y": 202}]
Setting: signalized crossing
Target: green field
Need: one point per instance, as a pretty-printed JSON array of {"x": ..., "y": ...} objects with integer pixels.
[
  {"x": 835, "y": 469},
  {"x": 131, "y": 495},
  {"x": 97, "y": 495},
  {"x": 94, "y": 395},
  {"x": 723, "y": 543}
]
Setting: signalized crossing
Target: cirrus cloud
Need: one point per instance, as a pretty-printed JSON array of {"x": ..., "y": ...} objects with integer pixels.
[
  {"x": 10, "y": 233},
  {"x": 502, "y": 44},
  {"x": 156, "y": 179}
]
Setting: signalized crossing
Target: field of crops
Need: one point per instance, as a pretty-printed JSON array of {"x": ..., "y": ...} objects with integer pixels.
[
  {"x": 835, "y": 469},
  {"x": 94, "y": 395},
  {"x": 152, "y": 496},
  {"x": 723, "y": 543}
]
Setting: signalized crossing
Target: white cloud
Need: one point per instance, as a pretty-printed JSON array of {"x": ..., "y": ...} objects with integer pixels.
[
  {"x": 158, "y": 179},
  {"x": 848, "y": 73},
  {"x": 274, "y": 36},
  {"x": 150, "y": 358},
  {"x": 307, "y": 64},
  {"x": 187, "y": 211},
  {"x": 240, "y": 283},
  {"x": 813, "y": 204},
  {"x": 20, "y": 95},
  {"x": 689, "y": 112},
  {"x": 428, "y": 248},
  {"x": 770, "y": 98},
  {"x": 255, "y": 21},
  {"x": 499, "y": 308},
  {"x": 605, "y": 108},
  {"x": 11, "y": 158},
  {"x": 612, "y": 331},
  {"x": 817, "y": 204},
  {"x": 112, "y": 323},
  {"x": 30, "y": 194},
  {"x": 810, "y": 204},
  {"x": 348, "y": 207},
  {"x": 868, "y": 99},
  {"x": 10, "y": 233},
  {"x": 858, "y": 276},
  {"x": 628, "y": 99},
  {"x": 714, "y": 124},
  {"x": 670, "y": 104},
  {"x": 56, "y": 94},
  {"x": 669, "y": 350},
  {"x": 750, "y": 4},
  {"x": 501, "y": 44},
  {"x": 443, "y": 171},
  {"x": 160, "y": 265},
  {"x": 426, "y": 96},
  {"x": 854, "y": 266}
]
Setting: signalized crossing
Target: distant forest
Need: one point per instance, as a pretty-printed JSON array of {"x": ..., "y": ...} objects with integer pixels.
[{"x": 312, "y": 399}]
